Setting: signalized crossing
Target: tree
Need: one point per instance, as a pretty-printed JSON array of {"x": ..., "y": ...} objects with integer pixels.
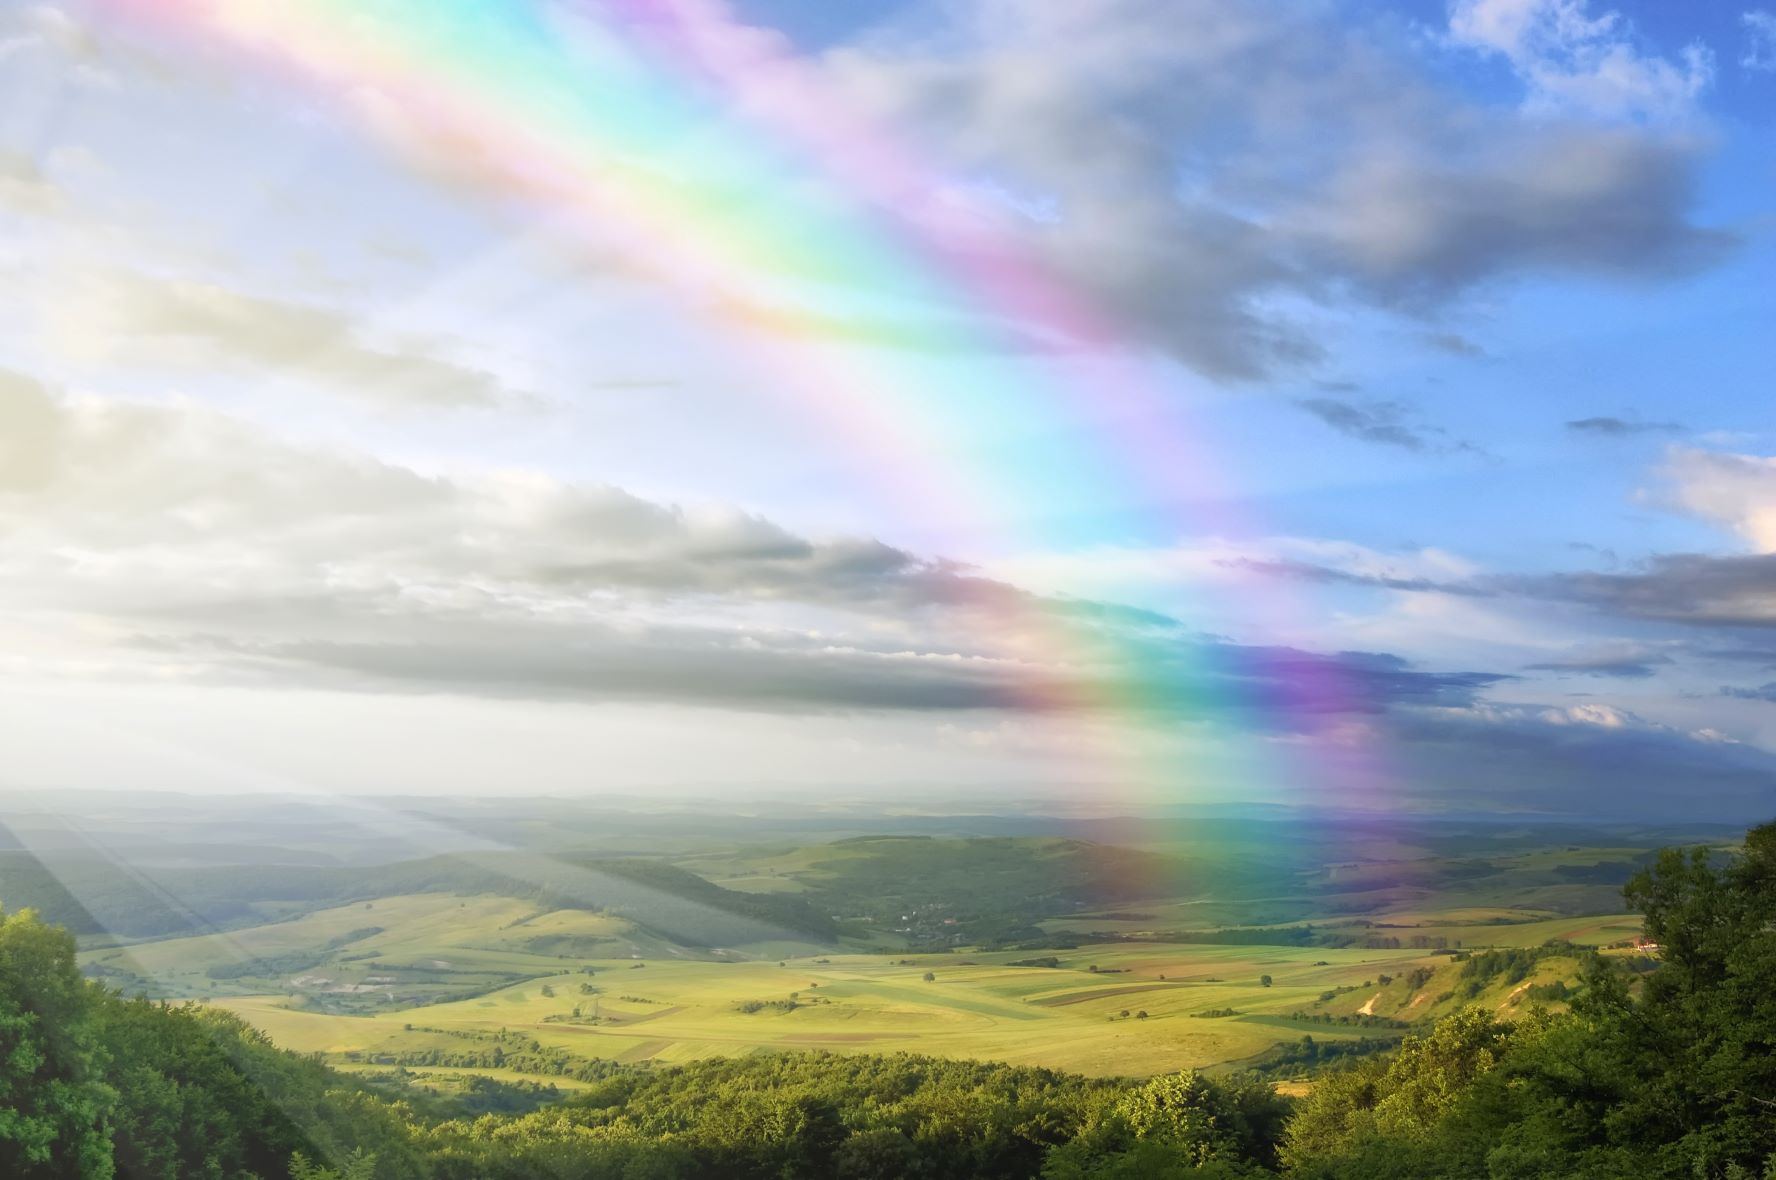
[
  {"x": 880, "y": 1154},
  {"x": 1236, "y": 1121},
  {"x": 930, "y": 977},
  {"x": 52, "y": 1102},
  {"x": 357, "y": 1166},
  {"x": 1264, "y": 981}
]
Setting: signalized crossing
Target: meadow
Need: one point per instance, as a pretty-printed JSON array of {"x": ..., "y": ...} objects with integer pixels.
[
  {"x": 1035, "y": 951},
  {"x": 1124, "y": 1009}
]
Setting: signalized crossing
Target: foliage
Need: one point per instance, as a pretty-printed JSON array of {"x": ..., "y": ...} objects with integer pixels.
[
  {"x": 51, "y": 1095},
  {"x": 1678, "y": 1080}
]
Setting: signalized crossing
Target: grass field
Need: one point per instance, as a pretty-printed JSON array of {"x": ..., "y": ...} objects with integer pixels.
[
  {"x": 406, "y": 949},
  {"x": 976, "y": 1006},
  {"x": 412, "y": 979}
]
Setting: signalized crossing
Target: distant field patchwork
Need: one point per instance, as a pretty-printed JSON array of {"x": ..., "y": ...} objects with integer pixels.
[{"x": 975, "y": 1006}]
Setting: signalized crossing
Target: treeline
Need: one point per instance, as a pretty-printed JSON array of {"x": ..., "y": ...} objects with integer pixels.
[
  {"x": 1250, "y": 936},
  {"x": 494, "y": 1050},
  {"x": 1308, "y": 1056}
]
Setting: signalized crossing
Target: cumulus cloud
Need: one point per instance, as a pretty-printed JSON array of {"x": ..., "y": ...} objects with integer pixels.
[
  {"x": 1333, "y": 165},
  {"x": 1738, "y": 491},
  {"x": 1414, "y": 232}
]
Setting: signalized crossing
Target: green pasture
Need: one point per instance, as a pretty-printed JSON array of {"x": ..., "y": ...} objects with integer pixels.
[{"x": 976, "y": 1006}]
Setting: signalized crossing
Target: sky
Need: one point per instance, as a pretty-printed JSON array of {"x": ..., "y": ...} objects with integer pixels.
[{"x": 1137, "y": 402}]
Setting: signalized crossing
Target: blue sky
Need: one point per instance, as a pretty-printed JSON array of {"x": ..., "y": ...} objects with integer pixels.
[{"x": 331, "y": 459}]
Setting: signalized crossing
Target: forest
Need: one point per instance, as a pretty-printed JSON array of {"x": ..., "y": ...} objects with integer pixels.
[{"x": 1663, "y": 1073}]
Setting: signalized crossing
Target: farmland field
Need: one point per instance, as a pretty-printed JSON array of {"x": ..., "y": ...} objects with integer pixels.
[
  {"x": 1124, "y": 1008},
  {"x": 1039, "y": 951},
  {"x": 975, "y": 1007}
]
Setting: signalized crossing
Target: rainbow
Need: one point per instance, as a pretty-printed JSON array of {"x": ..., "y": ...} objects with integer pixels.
[{"x": 810, "y": 235}]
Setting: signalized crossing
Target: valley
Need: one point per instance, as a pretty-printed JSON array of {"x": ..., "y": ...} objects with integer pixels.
[{"x": 1217, "y": 945}]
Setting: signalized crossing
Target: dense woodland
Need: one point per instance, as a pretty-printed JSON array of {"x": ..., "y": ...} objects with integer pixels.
[{"x": 1670, "y": 1073}]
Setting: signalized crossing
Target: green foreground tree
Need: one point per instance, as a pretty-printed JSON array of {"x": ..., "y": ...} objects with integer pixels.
[{"x": 52, "y": 1101}]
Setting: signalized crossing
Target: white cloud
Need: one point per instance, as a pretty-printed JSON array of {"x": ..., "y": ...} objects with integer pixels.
[
  {"x": 1738, "y": 491},
  {"x": 24, "y": 188},
  {"x": 1760, "y": 40},
  {"x": 1571, "y": 61},
  {"x": 57, "y": 28},
  {"x": 108, "y": 315},
  {"x": 172, "y": 541}
]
